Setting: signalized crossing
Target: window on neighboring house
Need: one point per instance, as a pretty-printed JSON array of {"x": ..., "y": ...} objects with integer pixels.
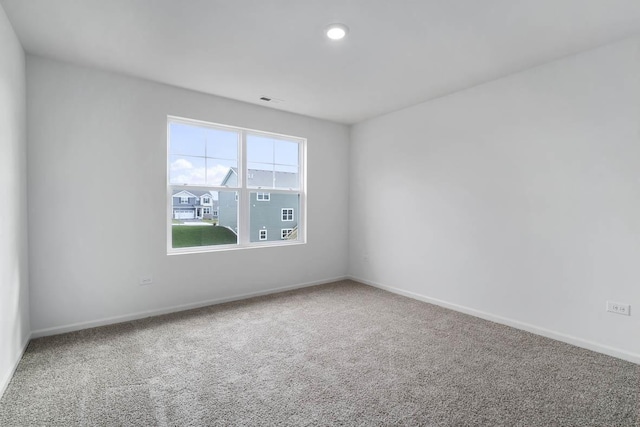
[
  {"x": 287, "y": 214},
  {"x": 286, "y": 233},
  {"x": 235, "y": 166}
]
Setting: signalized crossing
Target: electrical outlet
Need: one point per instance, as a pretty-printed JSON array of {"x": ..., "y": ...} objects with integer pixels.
[
  {"x": 618, "y": 308},
  {"x": 145, "y": 280}
]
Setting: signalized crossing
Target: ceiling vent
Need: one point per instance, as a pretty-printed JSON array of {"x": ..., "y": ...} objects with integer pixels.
[{"x": 271, "y": 99}]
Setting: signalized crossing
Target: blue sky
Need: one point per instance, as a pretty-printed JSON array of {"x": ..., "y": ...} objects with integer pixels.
[{"x": 201, "y": 155}]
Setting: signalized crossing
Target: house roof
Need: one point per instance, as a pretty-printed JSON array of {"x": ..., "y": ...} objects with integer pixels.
[
  {"x": 196, "y": 193},
  {"x": 265, "y": 179}
]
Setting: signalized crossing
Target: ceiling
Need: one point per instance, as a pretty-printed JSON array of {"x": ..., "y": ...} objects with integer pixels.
[{"x": 398, "y": 53}]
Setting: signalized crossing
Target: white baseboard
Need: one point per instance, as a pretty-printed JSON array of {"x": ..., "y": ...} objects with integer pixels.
[
  {"x": 579, "y": 342},
  {"x": 182, "y": 307},
  {"x": 4, "y": 382}
]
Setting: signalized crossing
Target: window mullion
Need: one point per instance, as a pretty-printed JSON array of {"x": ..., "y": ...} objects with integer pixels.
[{"x": 243, "y": 200}]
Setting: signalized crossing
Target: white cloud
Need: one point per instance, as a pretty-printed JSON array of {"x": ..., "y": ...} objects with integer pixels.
[
  {"x": 216, "y": 174},
  {"x": 181, "y": 164},
  {"x": 184, "y": 172}
]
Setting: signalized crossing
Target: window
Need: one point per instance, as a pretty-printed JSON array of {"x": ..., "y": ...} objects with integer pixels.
[
  {"x": 287, "y": 214},
  {"x": 286, "y": 233},
  {"x": 236, "y": 168}
]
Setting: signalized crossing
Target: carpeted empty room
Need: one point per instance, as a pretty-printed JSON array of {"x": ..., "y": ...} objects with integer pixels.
[
  {"x": 336, "y": 354},
  {"x": 319, "y": 213}
]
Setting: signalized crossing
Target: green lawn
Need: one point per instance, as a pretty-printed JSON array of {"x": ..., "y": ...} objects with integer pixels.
[{"x": 185, "y": 236}]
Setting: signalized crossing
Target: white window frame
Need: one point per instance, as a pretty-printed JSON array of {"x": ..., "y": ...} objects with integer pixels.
[
  {"x": 184, "y": 200},
  {"x": 290, "y": 216},
  {"x": 284, "y": 232},
  {"x": 263, "y": 197},
  {"x": 243, "y": 191},
  {"x": 262, "y": 234},
  {"x": 206, "y": 200}
]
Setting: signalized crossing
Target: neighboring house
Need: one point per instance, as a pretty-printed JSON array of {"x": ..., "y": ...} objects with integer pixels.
[
  {"x": 272, "y": 216},
  {"x": 194, "y": 205}
]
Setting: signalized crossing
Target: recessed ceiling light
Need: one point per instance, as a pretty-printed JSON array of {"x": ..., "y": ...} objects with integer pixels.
[{"x": 337, "y": 31}]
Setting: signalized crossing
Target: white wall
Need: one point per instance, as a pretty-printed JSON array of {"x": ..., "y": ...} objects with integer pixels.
[
  {"x": 97, "y": 156},
  {"x": 518, "y": 200},
  {"x": 14, "y": 284}
]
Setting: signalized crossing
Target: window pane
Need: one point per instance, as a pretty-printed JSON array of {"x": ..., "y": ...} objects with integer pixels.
[
  {"x": 200, "y": 155},
  {"x": 187, "y": 170},
  {"x": 286, "y": 233},
  {"x": 186, "y": 140},
  {"x": 286, "y": 153},
  {"x": 222, "y": 144},
  {"x": 219, "y": 172},
  {"x": 268, "y": 216},
  {"x": 261, "y": 175},
  {"x": 228, "y": 210},
  {"x": 287, "y": 178},
  {"x": 272, "y": 163},
  {"x": 208, "y": 218},
  {"x": 259, "y": 149}
]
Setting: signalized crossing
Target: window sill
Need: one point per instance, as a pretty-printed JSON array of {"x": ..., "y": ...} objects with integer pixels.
[{"x": 227, "y": 248}]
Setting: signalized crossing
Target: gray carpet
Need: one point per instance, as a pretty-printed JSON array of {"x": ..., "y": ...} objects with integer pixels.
[{"x": 339, "y": 354}]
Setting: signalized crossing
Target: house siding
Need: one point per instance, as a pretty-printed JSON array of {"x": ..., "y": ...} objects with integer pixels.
[
  {"x": 264, "y": 215},
  {"x": 267, "y": 215},
  {"x": 228, "y": 210}
]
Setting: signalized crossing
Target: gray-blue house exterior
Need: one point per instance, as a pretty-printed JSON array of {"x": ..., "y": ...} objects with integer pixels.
[
  {"x": 272, "y": 216},
  {"x": 187, "y": 205}
]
